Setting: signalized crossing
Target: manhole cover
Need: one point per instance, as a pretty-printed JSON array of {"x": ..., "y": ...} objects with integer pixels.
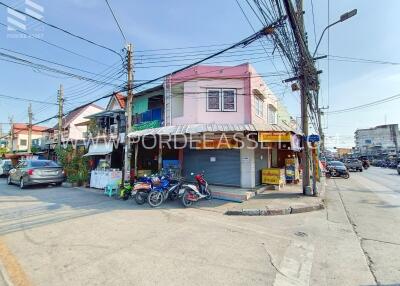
[{"x": 300, "y": 233}]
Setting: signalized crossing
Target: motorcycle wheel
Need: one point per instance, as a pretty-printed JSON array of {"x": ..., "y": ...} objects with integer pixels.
[
  {"x": 209, "y": 196},
  {"x": 185, "y": 201},
  {"x": 140, "y": 197},
  {"x": 346, "y": 176},
  {"x": 155, "y": 198}
]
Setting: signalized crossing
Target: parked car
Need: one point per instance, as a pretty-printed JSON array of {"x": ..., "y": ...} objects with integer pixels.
[
  {"x": 5, "y": 167},
  {"x": 354, "y": 165},
  {"x": 336, "y": 169},
  {"x": 398, "y": 168},
  {"x": 36, "y": 172}
]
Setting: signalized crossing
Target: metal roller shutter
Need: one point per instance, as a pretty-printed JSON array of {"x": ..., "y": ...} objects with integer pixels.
[{"x": 224, "y": 171}]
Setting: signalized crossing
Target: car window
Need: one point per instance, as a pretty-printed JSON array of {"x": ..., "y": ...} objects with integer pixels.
[
  {"x": 43, "y": 163},
  {"x": 336, "y": 163}
]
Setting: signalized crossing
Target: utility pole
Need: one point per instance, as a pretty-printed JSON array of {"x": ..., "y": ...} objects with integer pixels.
[
  {"x": 30, "y": 115},
  {"x": 60, "y": 100},
  {"x": 128, "y": 114},
  {"x": 11, "y": 120},
  {"x": 307, "y": 69}
]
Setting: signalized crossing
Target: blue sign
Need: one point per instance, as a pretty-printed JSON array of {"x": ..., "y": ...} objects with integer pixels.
[{"x": 313, "y": 138}]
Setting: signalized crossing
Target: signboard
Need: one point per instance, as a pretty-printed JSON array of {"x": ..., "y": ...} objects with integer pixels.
[
  {"x": 273, "y": 176},
  {"x": 313, "y": 138},
  {"x": 274, "y": 136},
  {"x": 218, "y": 144}
]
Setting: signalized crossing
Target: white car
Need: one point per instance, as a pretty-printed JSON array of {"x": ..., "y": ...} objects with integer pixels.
[{"x": 5, "y": 167}]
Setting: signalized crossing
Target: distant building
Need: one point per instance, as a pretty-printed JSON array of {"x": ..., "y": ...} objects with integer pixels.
[
  {"x": 341, "y": 152},
  {"x": 379, "y": 140},
  {"x": 20, "y": 136}
]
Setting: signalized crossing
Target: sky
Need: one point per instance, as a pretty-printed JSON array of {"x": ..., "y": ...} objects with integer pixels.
[{"x": 159, "y": 30}]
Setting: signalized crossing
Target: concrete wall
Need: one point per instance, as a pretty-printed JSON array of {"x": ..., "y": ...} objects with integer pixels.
[
  {"x": 247, "y": 166},
  {"x": 195, "y": 102},
  {"x": 76, "y": 132},
  {"x": 257, "y": 83}
]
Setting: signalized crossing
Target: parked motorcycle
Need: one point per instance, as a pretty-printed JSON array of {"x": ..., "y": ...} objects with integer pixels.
[
  {"x": 157, "y": 194},
  {"x": 190, "y": 193}
]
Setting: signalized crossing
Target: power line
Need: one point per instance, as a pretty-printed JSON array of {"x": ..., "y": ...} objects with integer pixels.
[
  {"x": 371, "y": 104},
  {"x": 25, "y": 99},
  {"x": 47, "y": 61},
  {"x": 55, "y": 45},
  {"x": 62, "y": 30},
  {"x": 116, "y": 21},
  {"x": 24, "y": 62}
]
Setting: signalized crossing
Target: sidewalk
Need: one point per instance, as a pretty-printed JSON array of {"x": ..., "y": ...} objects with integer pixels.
[
  {"x": 289, "y": 200},
  {"x": 257, "y": 202}
]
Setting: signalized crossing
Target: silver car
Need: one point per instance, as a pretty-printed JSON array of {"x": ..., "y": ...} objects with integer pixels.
[{"x": 36, "y": 172}]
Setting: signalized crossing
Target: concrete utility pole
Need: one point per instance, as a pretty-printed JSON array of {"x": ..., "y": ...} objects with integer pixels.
[
  {"x": 30, "y": 115},
  {"x": 11, "y": 120},
  {"x": 60, "y": 100},
  {"x": 128, "y": 114},
  {"x": 306, "y": 79}
]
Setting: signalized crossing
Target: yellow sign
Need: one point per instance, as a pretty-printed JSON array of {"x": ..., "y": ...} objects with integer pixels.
[
  {"x": 274, "y": 136},
  {"x": 272, "y": 176},
  {"x": 218, "y": 144}
]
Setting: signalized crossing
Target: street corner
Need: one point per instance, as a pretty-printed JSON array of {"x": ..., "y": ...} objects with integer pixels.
[{"x": 276, "y": 211}]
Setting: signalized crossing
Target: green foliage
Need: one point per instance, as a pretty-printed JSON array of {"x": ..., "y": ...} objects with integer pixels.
[
  {"x": 93, "y": 128},
  {"x": 75, "y": 165},
  {"x": 3, "y": 150},
  {"x": 35, "y": 149}
]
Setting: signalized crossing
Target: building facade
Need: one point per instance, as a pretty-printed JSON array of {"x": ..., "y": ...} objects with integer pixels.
[
  {"x": 19, "y": 140},
  {"x": 379, "y": 140},
  {"x": 189, "y": 114}
]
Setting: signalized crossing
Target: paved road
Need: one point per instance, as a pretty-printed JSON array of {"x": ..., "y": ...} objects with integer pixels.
[
  {"x": 58, "y": 236},
  {"x": 372, "y": 204}
]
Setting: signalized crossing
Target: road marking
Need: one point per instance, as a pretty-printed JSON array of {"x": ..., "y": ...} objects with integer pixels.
[
  {"x": 13, "y": 270},
  {"x": 295, "y": 269}
]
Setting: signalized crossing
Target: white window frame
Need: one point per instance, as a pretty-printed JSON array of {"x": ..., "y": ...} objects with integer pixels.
[
  {"x": 219, "y": 99},
  {"x": 223, "y": 100},
  {"x": 275, "y": 119},
  {"x": 259, "y": 102}
]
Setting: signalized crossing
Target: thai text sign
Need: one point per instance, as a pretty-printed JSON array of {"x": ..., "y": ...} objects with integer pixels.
[{"x": 274, "y": 136}]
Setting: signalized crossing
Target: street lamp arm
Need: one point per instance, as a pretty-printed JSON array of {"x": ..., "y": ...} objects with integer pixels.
[
  {"x": 322, "y": 35},
  {"x": 343, "y": 18}
]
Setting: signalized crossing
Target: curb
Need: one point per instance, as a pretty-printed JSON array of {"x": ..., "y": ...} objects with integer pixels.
[{"x": 275, "y": 211}]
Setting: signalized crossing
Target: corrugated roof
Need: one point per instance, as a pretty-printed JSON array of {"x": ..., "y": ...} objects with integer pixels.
[
  {"x": 23, "y": 126},
  {"x": 204, "y": 128}
]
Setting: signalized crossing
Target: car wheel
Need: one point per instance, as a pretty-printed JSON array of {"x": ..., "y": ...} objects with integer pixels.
[
  {"x": 21, "y": 184},
  {"x": 9, "y": 180}
]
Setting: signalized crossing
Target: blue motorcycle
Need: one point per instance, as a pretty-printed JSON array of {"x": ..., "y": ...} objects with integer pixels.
[{"x": 166, "y": 188}]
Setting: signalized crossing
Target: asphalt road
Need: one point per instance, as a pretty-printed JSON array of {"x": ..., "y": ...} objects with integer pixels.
[
  {"x": 58, "y": 236},
  {"x": 372, "y": 204}
]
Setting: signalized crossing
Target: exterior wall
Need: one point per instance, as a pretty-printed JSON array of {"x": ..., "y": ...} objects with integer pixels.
[
  {"x": 195, "y": 102},
  {"x": 24, "y": 136},
  {"x": 247, "y": 166},
  {"x": 76, "y": 132},
  {"x": 257, "y": 82},
  {"x": 197, "y": 80}
]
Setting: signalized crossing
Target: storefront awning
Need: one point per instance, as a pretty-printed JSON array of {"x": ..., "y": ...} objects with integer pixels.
[
  {"x": 204, "y": 128},
  {"x": 99, "y": 149}
]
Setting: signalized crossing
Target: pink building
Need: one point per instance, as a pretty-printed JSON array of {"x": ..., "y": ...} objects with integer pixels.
[
  {"x": 219, "y": 94},
  {"x": 216, "y": 100}
]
